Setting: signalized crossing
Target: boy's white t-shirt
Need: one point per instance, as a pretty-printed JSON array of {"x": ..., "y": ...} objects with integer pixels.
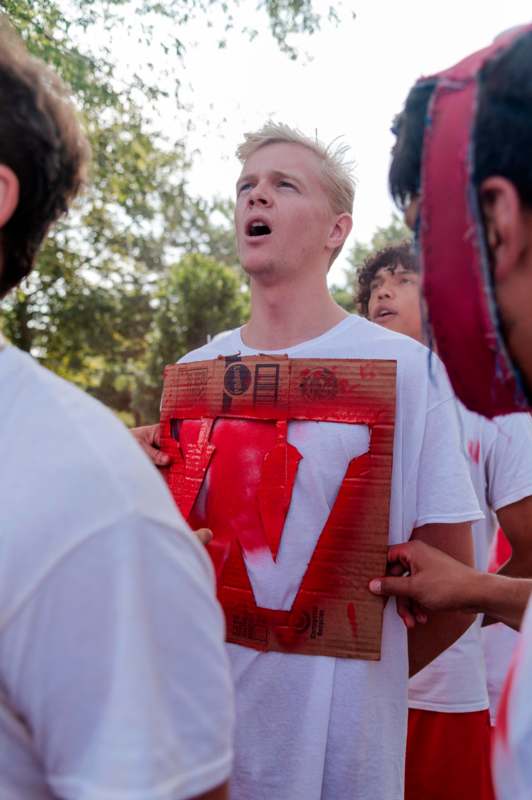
[
  {"x": 499, "y": 453},
  {"x": 315, "y": 727},
  {"x": 512, "y": 747},
  {"x": 114, "y": 681}
]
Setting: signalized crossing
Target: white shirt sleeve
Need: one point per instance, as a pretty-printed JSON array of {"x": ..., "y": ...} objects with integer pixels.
[
  {"x": 117, "y": 665},
  {"x": 509, "y": 463},
  {"x": 445, "y": 492}
]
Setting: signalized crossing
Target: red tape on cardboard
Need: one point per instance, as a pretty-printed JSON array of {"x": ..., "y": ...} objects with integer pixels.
[{"x": 249, "y": 490}]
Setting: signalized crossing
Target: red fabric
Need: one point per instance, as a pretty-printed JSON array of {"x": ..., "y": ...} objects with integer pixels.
[
  {"x": 448, "y": 756},
  {"x": 500, "y": 553},
  {"x": 453, "y": 250}
]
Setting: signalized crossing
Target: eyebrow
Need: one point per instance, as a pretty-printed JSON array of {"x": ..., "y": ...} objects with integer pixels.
[
  {"x": 399, "y": 269},
  {"x": 405, "y": 271},
  {"x": 275, "y": 174}
]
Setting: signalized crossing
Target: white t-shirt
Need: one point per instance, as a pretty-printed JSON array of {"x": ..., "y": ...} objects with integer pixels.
[
  {"x": 315, "y": 727},
  {"x": 498, "y": 643},
  {"x": 499, "y": 454},
  {"x": 512, "y": 750},
  {"x": 114, "y": 682}
]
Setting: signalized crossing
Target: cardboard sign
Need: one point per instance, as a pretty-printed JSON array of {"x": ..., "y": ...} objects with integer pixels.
[{"x": 333, "y": 612}]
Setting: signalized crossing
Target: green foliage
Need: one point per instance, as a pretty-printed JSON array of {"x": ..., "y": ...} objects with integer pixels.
[
  {"x": 210, "y": 230},
  {"x": 344, "y": 297},
  {"x": 393, "y": 233},
  {"x": 293, "y": 16},
  {"x": 106, "y": 306},
  {"x": 196, "y": 299},
  {"x": 48, "y": 25}
]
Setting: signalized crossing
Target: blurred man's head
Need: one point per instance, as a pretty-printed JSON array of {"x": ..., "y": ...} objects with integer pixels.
[
  {"x": 294, "y": 200},
  {"x": 43, "y": 156},
  {"x": 389, "y": 290},
  {"x": 462, "y": 165}
]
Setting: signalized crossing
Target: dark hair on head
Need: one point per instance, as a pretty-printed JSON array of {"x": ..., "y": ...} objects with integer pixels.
[
  {"x": 503, "y": 125},
  {"x": 42, "y": 143},
  {"x": 409, "y": 127},
  {"x": 390, "y": 257},
  {"x": 502, "y": 133}
]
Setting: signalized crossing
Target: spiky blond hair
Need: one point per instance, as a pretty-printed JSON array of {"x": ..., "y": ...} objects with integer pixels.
[{"x": 337, "y": 174}]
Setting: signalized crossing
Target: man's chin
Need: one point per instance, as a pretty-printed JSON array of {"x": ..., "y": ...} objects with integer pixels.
[
  {"x": 257, "y": 267},
  {"x": 391, "y": 323}
]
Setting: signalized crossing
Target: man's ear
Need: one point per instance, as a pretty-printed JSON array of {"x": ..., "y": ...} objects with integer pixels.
[
  {"x": 9, "y": 194},
  {"x": 340, "y": 230},
  {"x": 507, "y": 226}
]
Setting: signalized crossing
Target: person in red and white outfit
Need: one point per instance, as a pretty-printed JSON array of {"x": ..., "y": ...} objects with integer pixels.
[
  {"x": 462, "y": 172},
  {"x": 321, "y": 727},
  {"x": 449, "y": 721}
]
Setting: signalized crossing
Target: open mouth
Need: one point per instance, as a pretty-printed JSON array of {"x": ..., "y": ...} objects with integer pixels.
[
  {"x": 385, "y": 314},
  {"x": 258, "y": 228}
]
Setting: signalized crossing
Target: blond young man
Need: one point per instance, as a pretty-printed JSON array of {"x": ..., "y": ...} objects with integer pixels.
[{"x": 320, "y": 727}]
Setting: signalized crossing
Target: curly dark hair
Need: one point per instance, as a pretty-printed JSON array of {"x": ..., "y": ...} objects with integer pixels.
[
  {"x": 391, "y": 257},
  {"x": 41, "y": 141}
]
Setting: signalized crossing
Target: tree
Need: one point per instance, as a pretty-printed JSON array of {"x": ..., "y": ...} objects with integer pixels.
[
  {"x": 396, "y": 231},
  {"x": 117, "y": 235},
  {"x": 196, "y": 299},
  {"x": 86, "y": 311},
  {"x": 393, "y": 233}
]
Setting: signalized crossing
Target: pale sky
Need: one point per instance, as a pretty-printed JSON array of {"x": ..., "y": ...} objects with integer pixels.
[{"x": 357, "y": 79}]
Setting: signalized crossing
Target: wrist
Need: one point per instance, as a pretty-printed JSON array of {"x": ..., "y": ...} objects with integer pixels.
[{"x": 478, "y": 592}]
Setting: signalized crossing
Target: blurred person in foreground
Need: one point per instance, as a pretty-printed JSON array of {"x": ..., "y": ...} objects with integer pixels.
[
  {"x": 320, "y": 726},
  {"x": 448, "y": 742},
  {"x": 462, "y": 171},
  {"x": 113, "y": 677}
]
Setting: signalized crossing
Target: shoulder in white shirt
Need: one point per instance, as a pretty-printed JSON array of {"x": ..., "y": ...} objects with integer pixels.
[{"x": 112, "y": 667}]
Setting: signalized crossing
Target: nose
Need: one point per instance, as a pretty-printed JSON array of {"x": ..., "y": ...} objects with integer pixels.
[
  {"x": 259, "y": 195},
  {"x": 384, "y": 291}
]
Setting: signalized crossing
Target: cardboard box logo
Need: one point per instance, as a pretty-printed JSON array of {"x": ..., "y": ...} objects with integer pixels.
[{"x": 333, "y": 612}]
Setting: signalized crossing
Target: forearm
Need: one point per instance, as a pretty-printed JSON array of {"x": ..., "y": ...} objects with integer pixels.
[
  {"x": 437, "y": 582},
  {"x": 501, "y": 597},
  {"x": 517, "y": 567},
  {"x": 443, "y": 628},
  {"x": 516, "y": 521}
]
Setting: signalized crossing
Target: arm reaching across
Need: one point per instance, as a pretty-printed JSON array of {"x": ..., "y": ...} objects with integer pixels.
[
  {"x": 437, "y": 582},
  {"x": 516, "y": 521},
  {"x": 508, "y": 468}
]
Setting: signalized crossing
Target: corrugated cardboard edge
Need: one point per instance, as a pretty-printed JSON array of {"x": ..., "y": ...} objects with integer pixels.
[{"x": 333, "y": 613}]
